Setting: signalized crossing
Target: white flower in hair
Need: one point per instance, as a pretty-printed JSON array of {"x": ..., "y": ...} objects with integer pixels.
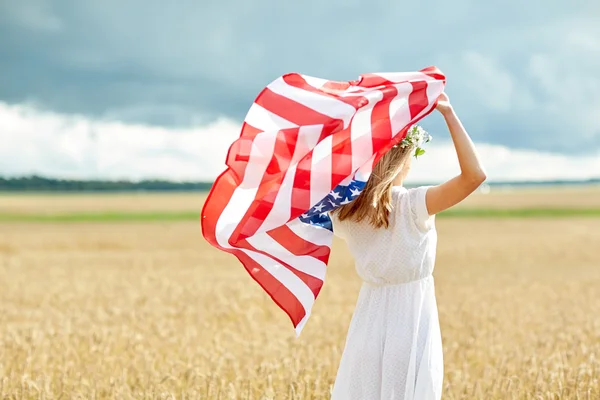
[{"x": 416, "y": 137}]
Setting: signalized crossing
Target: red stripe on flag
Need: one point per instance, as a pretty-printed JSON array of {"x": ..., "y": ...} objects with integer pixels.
[
  {"x": 330, "y": 89},
  {"x": 417, "y": 100},
  {"x": 341, "y": 168},
  {"x": 373, "y": 80},
  {"x": 435, "y": 73},
  {"x": 298, "y": 246},
  {"x": 268, "y": 189},
  {"x": 314, "y": 284},
  {"x": 248, "y": 131},
  {"x": 341, "y": 156},
  {"x": 381, "y": 127},
  {"x": 301, "y": 191},
  {"x": 292, "y": 111},
  {"x": 280, "y": 294},
  {"x": 239, "y": 151},
  {"x": 215, "y": 203},
  {"x": 301, "y": 197}
]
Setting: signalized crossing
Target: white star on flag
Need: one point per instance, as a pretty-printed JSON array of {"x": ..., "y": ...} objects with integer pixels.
[
  {"x": 335, "y": 195},
  {"x": 354, "y": 192}
]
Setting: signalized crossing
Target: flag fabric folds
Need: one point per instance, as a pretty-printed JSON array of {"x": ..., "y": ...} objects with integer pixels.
[{"x": 307, "y": 146}]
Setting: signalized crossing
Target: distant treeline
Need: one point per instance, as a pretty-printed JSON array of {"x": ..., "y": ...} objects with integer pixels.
[{"x": 42, "y": 184}]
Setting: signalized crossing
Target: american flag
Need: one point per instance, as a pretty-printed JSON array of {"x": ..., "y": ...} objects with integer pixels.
[{"x": 307, "y": 146}]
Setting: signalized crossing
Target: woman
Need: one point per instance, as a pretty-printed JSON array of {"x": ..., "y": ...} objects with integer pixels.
[{"x": 394, "y": 347}]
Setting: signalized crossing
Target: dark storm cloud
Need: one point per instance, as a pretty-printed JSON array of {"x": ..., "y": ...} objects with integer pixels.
[{"x": 520, "y": 74}]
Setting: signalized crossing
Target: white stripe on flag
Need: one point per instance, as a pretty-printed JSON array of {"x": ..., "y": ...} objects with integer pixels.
[
  {"x": 399, "y": 108},
  {"x": 287, "y": 278},
  {"x": 311, "y": 233},
  {"x": 307, "y": 264},
  {"x": 308, "y": 136},
  {"x": 364, "y": 172},
  {"x": 301, "y": 324},
  {"x": 320, "y": 171},
  {"x": 242, "y": 198},
  {"x": 398, "y": 77},
  {"x": 360, "y": 133},
  {"x": 317, "y": 83},
  {"x": 281, "y": 211},
  {"x": 322, "y": 104},
  {"x": 263, "y": 119},
  {"x": 354, "y": 91}
]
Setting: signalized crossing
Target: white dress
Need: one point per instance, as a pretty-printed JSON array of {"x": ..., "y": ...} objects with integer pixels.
[{"x": 393, "y": 349}]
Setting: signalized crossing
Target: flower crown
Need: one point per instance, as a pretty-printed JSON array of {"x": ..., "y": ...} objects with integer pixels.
[{"x": 415, "y": 137}]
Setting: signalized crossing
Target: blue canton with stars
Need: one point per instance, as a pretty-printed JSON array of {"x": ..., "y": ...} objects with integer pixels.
[{"x": 341, "y": 195}]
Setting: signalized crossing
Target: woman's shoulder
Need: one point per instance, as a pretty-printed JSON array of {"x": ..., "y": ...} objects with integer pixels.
[
  {"x": 399, "y": 190},
  {"x": 412, "y": 191},
  {"x": 409, "y": 193}
]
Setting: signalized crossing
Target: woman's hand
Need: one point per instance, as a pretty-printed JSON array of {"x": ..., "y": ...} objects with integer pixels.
[{"x": 443, "y": 104}]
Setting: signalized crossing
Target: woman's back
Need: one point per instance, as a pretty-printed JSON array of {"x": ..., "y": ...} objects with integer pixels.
[
  {"x": 393, "y": 350},
  {"x": 404, "y": 252}
]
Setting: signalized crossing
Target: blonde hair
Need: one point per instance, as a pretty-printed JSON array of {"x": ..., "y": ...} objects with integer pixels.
[{"x": 375, "y": 202}]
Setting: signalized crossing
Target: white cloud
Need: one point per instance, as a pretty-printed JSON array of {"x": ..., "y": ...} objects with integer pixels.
[
  {"x": 76, "y": 147},
  {"x": 525, "y": 78},
  {"x": 505, "y": 164},
  {"x": 71, "y": 146}
]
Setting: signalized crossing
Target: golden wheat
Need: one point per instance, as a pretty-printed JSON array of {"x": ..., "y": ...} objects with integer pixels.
[
  {"x": 552, "y": 197},
  {"x": 149, "y": 310}
]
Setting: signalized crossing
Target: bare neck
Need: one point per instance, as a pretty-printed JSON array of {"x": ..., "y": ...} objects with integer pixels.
[{"x": 398, "y": 180}]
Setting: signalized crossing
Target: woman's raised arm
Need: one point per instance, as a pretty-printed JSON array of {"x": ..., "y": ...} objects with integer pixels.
[{"x": 452, "y": 192}]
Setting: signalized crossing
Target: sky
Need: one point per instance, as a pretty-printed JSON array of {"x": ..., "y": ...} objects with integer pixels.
[{"x": 153, "y": 89}]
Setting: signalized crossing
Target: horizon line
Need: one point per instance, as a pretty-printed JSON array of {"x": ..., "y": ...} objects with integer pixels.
[{"x": 211, "y": 182}]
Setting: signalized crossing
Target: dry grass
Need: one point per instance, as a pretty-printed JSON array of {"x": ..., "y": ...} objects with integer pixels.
[
  {"x": 149, "y": 310},
  {"x": 550, "y": 197},
  {"x": 99, "y": 202},
  {"x": 534, "y": 197}
]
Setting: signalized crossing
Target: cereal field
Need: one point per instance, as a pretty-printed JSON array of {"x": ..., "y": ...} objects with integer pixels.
[{"x": 146, "y": 309}]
